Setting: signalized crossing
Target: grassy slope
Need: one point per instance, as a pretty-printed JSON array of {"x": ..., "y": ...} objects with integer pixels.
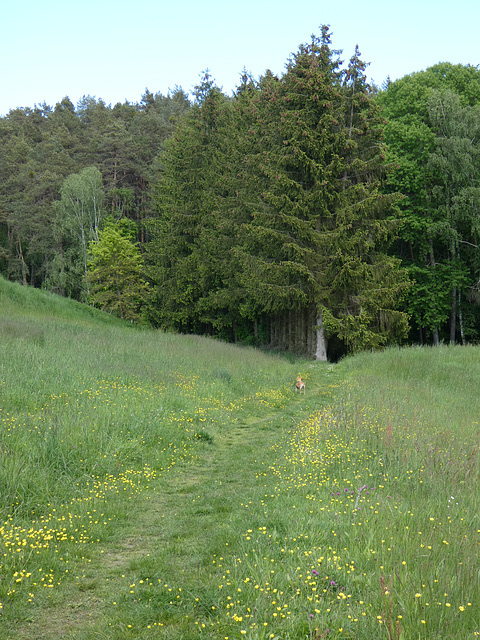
[{"x": 203, "y": 498}]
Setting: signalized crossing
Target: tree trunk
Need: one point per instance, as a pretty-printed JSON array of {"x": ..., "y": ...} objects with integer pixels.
[
  {"x": 303, "y": 331},
  {"x": 311, "y": 333},
  {"x": 291, "y": 332},
  {"x": 453, "y": 316},
  {"x": 283, "y": 339},
  {"x": 142, "y": 226},
  {"x": 436, "y": 340},
  {"x": 321, "y": 349},
  {"x": 114, "y": 185},
  {"x": 60, "y": 288},
  {"x": 460, "y": 316},
  {"x": 22, "y": 262}
]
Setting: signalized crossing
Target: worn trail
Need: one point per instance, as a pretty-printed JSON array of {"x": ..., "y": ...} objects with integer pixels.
[{"x": 191, "y": 514}]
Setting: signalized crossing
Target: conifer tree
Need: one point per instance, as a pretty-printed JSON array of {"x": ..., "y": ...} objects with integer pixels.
[
  {"x": 269, "y": 209},
  {"x": 185, "y": 199},
  {"x": 314, "y": 250},
  {"x": 294, "y": 155},
  {"x": 363, "y": 284}
]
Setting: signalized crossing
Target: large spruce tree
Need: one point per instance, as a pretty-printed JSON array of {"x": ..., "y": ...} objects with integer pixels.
[
  {"x": 277, "y": 210},
  {"x": 363, "y": 282},
  {"x": 314, "y": 251}
]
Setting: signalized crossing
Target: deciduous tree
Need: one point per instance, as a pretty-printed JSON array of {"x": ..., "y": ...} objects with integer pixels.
[
  {"x": 115, "y": 271},
  {"x": 424, "y": 145}
]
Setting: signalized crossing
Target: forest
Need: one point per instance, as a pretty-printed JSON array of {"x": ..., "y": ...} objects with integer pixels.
[{"x": 312, "y": 213}]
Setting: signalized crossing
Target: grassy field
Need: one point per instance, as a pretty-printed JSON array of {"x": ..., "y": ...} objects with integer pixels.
[{"x": 163, "y": 486}]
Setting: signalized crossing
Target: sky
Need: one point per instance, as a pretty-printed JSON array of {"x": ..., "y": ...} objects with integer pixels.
[{"x": 115, "y": 49}]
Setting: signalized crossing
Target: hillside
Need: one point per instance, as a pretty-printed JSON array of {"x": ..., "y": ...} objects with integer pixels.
[{"x": 157, "y": 485}]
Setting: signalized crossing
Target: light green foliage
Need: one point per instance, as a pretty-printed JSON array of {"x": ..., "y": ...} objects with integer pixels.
[
  {"x": 82, "y": 199},
  {"x": 77, "y": 219},
  {"x": 115, "y": 272},
  {"x": 432, "y": 134}
]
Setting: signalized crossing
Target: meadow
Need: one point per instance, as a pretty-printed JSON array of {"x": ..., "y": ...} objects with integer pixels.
[{"x": 162, "y": 486}]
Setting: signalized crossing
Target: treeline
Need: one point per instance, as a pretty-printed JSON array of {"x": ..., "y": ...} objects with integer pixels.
[
  {"x": 309, "y": 212},
  {"x": 64, "y": 169},
  {"x": 432, "y": 133}
]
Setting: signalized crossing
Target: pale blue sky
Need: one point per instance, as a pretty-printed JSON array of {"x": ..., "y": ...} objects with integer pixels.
[{"x": 114, "y": 49}]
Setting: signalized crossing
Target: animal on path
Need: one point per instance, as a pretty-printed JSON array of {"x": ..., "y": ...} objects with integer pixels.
[{"x": 300, "y": 384}]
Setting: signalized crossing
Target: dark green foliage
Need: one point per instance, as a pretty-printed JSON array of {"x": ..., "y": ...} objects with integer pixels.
[
  {"x": 363, "y": 283},
  {"x": 266, "y": 217},
  {"x": 179, "y": 264},
  {"x": 269, "y": 210}
]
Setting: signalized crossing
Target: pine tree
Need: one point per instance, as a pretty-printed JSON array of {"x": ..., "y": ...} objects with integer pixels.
[{"x": 313, "y": 253}]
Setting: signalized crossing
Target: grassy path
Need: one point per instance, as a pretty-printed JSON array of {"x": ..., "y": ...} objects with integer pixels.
[{"x": 162, "y": 568}]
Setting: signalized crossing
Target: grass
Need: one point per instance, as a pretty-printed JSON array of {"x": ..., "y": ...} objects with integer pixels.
[{"x": 155, "y": 485}]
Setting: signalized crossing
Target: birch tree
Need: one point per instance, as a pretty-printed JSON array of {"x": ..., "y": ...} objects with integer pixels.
[{"x": 81, "y": 211}]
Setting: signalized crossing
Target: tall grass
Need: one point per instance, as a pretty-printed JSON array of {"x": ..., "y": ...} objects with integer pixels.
[
  {"x": 155, "y": 485},
  {"x": 370, "y": 526},
  {"x": 92, "y": 412}
]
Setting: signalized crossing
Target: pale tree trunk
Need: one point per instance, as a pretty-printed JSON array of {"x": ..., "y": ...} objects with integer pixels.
[
  {"x": 321, "y": 350},
  {"x": 436, "y": 339},
  {"x": 453, "y": 302},
  {"x": 114, "y": 186},
  {"x": 453, "y": 315},
  {"x": 22, "y": 262}
]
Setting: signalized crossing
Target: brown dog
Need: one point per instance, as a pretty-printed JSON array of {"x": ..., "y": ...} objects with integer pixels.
[{"x": 300, "y": 384}]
